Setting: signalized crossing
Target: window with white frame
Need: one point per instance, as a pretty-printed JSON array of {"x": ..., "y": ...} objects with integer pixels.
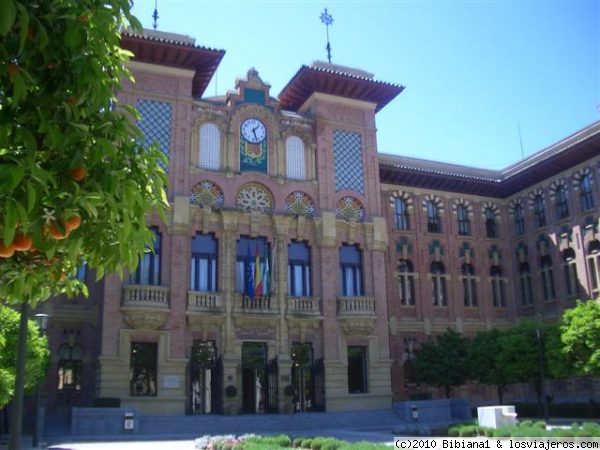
[
  {"x": 547, "y": 278},
  {"x": 209, "y": 156},
  {"x": 525, "y": 281},
  {"x": 469, "y": 282},
  {"x": 593, "y": 260},
  {"x": 570, "y": 270},
  {"x": 406, "y": 282},
  {"x": 295, "y": 158},
  {"x": 498, "y": 294},
  {"x": 204, "y": 263},
  {"x": 438, "y": 280},
  {"x": 351, "y": 268}
]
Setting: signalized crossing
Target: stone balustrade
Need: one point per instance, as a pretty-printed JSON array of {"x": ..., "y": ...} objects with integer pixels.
[
  {"x": 145, "y": 296},
  {"x": 304, "y": 306},
  {"x": 205, "y": 301},
  {"x": 356, "y": 306}
]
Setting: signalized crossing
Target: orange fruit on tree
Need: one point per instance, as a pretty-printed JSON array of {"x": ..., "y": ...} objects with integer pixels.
[
  {"x": 78, "y": 173},
  {"x": 6, "y": 251},
  {"x": 73, "y": 223},
  {"x": 22, "y": 242},
  {"x": 53, "y": 231}
]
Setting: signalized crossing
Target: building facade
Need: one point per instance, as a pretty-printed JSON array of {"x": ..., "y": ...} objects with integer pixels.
[{"x": 298, "y": 268}]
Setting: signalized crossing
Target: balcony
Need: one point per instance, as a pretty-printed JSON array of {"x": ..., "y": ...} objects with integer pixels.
[
  {"x": 303, "y": 306},
  {"x": 356, "y": 315},
  {"x": 208, "y": 302},
  {"x": 356, "y": 306},
  {"x": 145, "y": 307}
]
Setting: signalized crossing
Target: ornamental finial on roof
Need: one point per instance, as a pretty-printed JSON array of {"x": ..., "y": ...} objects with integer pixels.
[
  {"x": 155, "y": 14},
  {"x": 327, "y": 19}
]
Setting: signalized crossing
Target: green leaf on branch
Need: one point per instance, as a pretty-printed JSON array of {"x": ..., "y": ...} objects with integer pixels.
[{"x": 8, "y": 14}]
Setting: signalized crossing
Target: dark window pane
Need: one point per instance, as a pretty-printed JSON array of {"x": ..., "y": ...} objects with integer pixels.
[
  {"x": 143, "y": 369},
  {"x": 357, "y": 370}
]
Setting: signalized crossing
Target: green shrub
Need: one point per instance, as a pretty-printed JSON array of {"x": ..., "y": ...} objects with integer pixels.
[
  {"x": 307, "y": 442},
  {"x": 526, "y": 423},
  {"x": 540, "y": 424},
  {"x": 591, "y": 429},
  {"x": 502, "y": 432},
  {"x": 297, "y": 442}
]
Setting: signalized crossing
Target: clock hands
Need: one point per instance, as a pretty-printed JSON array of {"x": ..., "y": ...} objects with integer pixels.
[{"x": 254, "y": 132}]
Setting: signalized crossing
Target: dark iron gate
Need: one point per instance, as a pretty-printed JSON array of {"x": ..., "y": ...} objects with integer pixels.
[
  {"x": 272, "y": 405},
  {"x": 318, "y": 376}
]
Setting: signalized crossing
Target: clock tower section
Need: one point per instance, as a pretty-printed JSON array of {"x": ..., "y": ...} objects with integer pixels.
[{"x": 342, "y": 102}]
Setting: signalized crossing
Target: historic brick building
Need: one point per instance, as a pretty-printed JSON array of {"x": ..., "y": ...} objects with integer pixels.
[{"x": 299, "y": 266}]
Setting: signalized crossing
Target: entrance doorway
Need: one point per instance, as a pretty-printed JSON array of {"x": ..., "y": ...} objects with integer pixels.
[
  {"x": 254, "y": 377},
  {"x": 303, "y": 380},
  {"x": 206, "y": 376}
]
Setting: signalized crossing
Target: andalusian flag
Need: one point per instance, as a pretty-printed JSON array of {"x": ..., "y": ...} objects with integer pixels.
[
  {"x": 258, "y": 284},
  {"x": 266, "y": 275}
]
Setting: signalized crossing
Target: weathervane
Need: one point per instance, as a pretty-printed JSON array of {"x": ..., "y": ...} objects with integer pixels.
[
  {"x": 327, "y": 19},
  {"x": 155, "y": 14}
]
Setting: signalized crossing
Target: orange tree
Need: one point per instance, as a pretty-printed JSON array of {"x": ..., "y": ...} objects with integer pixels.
[{"x": 76, "y": 183}]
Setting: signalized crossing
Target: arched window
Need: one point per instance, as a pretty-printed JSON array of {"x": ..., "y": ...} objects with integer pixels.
[
  {"x": 491, "y": 226},
  {"x": 587, "y": 196},
  {"x": 401, "y": 214},
  {"x": 539, "y": 212},
  {"x": 299, "y": 284},
  {"x": 438, "y": 280},
  {"x": 209, "y": 156},
  {"x": 547, "y": 278},
  {"x": 351, "y": 268},
  {"x": 464, "y": 226},
  {"x": 593, "y": 260},
  {"x": 519, "y": 219},
  {"x": 469, "y": 282},
  {"x": 562, "y": 205},
  {"x": 570, "y": 268},
  {"x": 406, "y": 282},
  {"x": 204, "y": 263},
  {"x": 295, "y": 158},
  {"x": 498, "y": 293},
  {"x": 148, "y": 268},
  {"x": 525, "y": 279},
  {"x": 433, "y": 217}
]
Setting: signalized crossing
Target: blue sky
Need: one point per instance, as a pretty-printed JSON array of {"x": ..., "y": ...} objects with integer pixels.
[{"x": 473, "y": 70}]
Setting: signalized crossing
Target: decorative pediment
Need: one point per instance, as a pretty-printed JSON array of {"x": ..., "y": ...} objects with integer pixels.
[
  {"x": 145, "y": 318},
  {"x": 357, "y": 326}
]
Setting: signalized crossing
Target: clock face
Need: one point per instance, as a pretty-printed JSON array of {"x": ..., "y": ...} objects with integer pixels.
[{"x": 253, "y": 130}]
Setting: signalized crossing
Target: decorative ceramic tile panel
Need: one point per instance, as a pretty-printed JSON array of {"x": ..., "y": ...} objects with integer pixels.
[
  {"x": 295, "y": 159},
  {"x": 348, "y": 161},
  {"x": 300, "y": 204},
  {"x": 207, "y": 194},
  {"x": 254, "y": 197},
  {"x": 155, "y": 123},
  {"x": 350, "y": 208},
  {"x": 210, "y": 146}
]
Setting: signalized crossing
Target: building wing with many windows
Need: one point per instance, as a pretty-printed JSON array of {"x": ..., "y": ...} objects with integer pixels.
[{"x": 298, "y": 265}]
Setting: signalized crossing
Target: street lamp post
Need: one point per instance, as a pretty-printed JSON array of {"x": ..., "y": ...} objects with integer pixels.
[
  {"x": 539, "y": 334},
  {"x": 42, "y": 322},
  {"x": 16, "y": 420}
]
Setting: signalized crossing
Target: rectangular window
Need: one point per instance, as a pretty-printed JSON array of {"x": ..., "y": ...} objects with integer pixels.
[
  {"x": 571, "y": 279},
  {"x": 69, "y": 374},
  {"x": 401, "y": 214},
  {"x": 147, "y": 272},
  {"x": 351, "y": 271},
  {"x": 251, "y": 278},
  {"x": 143, "y": 367},
  {"x": 498, "y": 292},
  {"x": 204, "y": 263},
  {"x": 357, "y": 370},
  {"x": 299, "y": 270}
]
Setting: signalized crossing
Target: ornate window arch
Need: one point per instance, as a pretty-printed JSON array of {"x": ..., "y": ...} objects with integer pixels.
[
  {"x": 299, "y": 203},
  {"x": 209, "y": 147},
  {"x": 295, "y": 157},
  {"x": 207, "y": 194},
  {"x": 254, "y": 197},
  {"x": 350, "y": 208}
]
